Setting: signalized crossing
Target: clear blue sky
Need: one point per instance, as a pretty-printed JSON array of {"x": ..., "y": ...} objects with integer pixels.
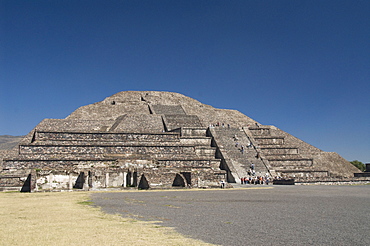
[{"x": 303, "y": 66}]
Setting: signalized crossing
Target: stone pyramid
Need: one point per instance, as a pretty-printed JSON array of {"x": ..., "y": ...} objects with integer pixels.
[{"x": 151, "y": 139}]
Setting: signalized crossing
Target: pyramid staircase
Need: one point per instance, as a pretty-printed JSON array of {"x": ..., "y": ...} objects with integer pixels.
[{"x": 237, "y": 162}]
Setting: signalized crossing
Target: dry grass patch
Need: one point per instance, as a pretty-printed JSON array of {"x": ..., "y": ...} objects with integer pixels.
[{"x": 65, "y": 218}]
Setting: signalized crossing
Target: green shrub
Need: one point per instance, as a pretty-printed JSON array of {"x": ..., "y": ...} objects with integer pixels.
[{"x": 359, "y": 165}]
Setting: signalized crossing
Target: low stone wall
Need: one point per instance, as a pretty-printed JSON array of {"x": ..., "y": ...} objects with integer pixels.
[
  {"x": 11, "y": 181},
  {"x": 332, "y": 181},
  {"x": 365, "y": 174},
  {"x": 303, "y": 173}
]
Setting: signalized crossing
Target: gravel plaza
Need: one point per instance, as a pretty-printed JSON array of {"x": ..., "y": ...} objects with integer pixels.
[{"x": 259, "y": 215}]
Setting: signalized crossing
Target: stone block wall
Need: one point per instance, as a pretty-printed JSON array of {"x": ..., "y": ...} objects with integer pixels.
[
  {"x": 108, "y": 110},
  {"x": 105, "y": 136},
  {"x": 214, "y": 164},
  {"x": 154, "y": 151},
  {"x": 173, "y": 122},
  {"x": 290, "y": 163},
  {"x": 269, "y": 140},
  {"x": 167, "y": 109},
  {"x": 11, "y": 182},
  {"x": 165, "y": 178},
  {"x": 140, "y": 123},
  {"x": 280, "y": 151},
  {"x": 57, "y": 164},
  {"x": 193, "y": 131},
  {"x": 196, "y": 141},
  {"x": 62, "y": 125}
]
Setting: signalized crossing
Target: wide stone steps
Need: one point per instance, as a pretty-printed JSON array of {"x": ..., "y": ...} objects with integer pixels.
[{"x": 232, "y": 140}]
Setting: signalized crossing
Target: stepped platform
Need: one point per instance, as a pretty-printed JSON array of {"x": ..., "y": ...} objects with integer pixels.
[
  {"x": 291, "y": 157},
  {"x": 159, "y": 139}
]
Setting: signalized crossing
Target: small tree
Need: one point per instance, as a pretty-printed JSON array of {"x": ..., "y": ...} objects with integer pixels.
[{"x": 359, "y": 165}]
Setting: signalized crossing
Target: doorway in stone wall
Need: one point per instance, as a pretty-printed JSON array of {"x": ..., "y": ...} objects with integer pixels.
[
  {"x": 143, "y": 184},
  {"x": 179, "y": 181},
  {"x": 80, "y": 181}
]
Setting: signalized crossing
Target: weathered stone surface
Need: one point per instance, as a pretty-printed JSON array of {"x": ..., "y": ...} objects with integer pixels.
[{"x": 151, "y": 139}]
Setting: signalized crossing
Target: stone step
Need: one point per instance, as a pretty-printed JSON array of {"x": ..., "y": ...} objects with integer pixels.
[
  {"x": 154, "y": 151},
  {"x": 106, "y": 157},
  {"x": 184, "y": 141},
  {"x": 104, "y": 136},
  {"x": 50, "y": 163}
]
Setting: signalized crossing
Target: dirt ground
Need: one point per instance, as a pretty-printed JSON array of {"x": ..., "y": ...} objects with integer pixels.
[{"x": 65, "y": 218}]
